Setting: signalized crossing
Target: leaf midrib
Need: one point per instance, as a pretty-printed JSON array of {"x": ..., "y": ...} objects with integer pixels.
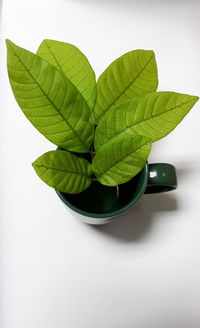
[
  {"x": 132, "y": 151},
  {"x": 50, "y": 101},
  {"x": 53, "y": 55},
  {"x": 60, "y": 170},
  {"x": 125, "y": 89},
  {"x": 147, "y": 119},
  {"x": 64, "y": 72}
]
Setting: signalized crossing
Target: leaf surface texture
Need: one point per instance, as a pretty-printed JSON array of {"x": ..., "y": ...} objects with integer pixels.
[
  {"x": 154, "y": 115},
  {"x": 74, "y": 64},
  {"x": 121, "y": 159},
  {"x": 131, "y": 75},
  {"x": 64, "y": 171},
  {"x": 49, "y": 100}
]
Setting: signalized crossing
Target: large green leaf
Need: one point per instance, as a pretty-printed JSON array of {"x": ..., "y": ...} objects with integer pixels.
[
  {"x": 73, "y": 63},
  {"x": 121, "y": 159},
  {"x": 64, "y": 171},
  {"x": 49, "y": 100},
  {"x": 133, "y": 74},
  {"x": 154, "y": 115}
]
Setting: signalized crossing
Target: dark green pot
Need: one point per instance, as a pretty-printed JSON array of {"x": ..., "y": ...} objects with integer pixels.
[{"x": 101, "y": 204}]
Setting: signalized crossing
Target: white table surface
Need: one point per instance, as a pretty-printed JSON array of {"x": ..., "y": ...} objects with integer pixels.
[{"x": 142, "y": 271}]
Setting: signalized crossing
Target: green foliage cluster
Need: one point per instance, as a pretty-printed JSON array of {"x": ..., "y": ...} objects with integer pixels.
[{"x": 113, "y": 121}]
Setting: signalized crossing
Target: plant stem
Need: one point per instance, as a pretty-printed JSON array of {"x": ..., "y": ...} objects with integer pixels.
[{"x": 92, "y": 152}]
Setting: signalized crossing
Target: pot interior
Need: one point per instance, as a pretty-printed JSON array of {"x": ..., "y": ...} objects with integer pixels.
[{"x": 103, "y": 201}]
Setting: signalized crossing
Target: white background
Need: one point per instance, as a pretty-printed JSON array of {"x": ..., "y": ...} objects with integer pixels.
[{"x": 142, "y": 271}]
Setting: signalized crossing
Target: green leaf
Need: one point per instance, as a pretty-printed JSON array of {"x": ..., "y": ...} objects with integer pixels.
[
  {"x": 133, "y": 74},
  {"x": 49, "y": 100},
  {"x": 121, "y": 159},
  {"x": 154, "y": 115},
  {"x": 64, "y": 171},
  {"x": 73, "y": 63}
]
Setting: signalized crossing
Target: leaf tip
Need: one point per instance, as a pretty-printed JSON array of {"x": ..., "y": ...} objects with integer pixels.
[
  {"x": 196, "y": 98},
  {"x": 10, "y": 45},
  {"x": 193, "y": 99},
  {"x": 8, "y": 42},
  {"x": 152, "y": 52},
  {"x": 34, "y": 164},
  {"x": 45, "y": 41}
]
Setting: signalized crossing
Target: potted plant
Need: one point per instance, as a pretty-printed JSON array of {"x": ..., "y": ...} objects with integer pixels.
[{"x": 104, "y": 130}]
